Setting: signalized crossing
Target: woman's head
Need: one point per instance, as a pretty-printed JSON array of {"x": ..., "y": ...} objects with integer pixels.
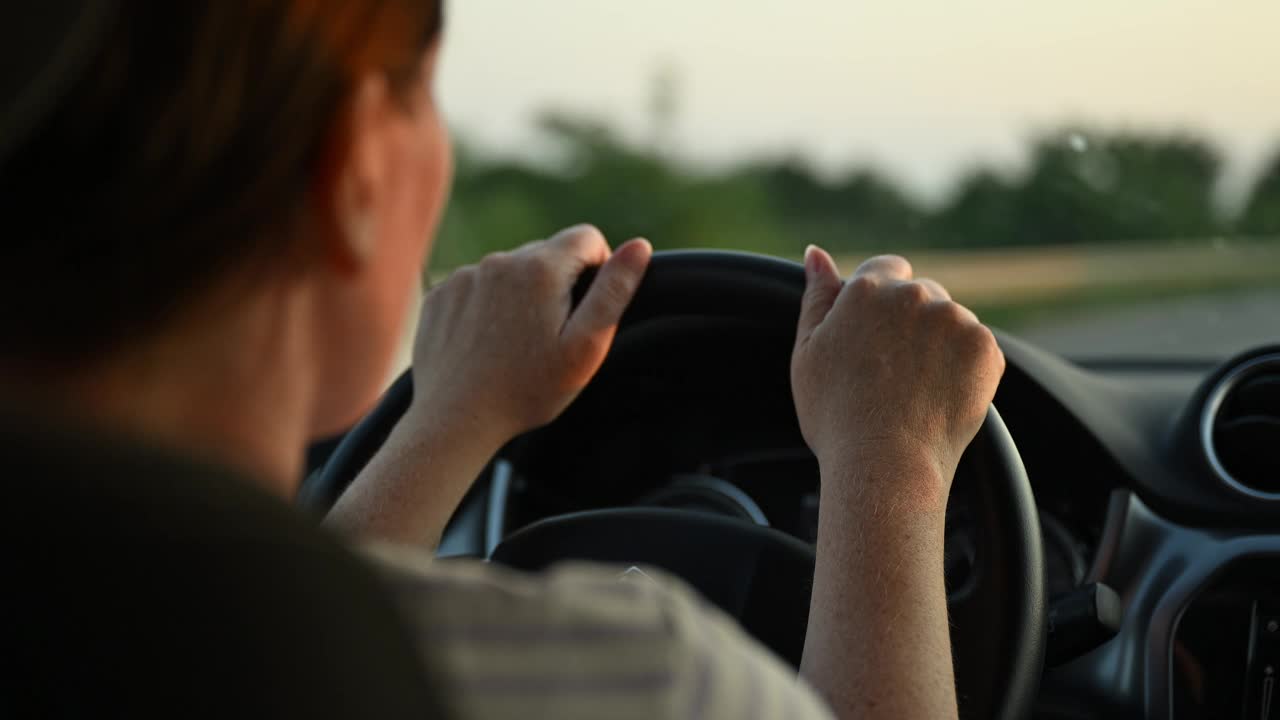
[{"x": 208, "y": 149}]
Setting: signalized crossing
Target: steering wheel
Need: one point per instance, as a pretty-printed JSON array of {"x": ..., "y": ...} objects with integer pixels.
[{"x": 759, "y": 575}]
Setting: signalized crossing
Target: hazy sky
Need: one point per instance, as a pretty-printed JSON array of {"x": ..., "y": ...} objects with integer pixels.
[{"x": 920, "y": 88}]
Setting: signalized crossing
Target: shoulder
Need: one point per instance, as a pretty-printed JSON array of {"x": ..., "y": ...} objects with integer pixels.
[{"x": 578, "y": 641}]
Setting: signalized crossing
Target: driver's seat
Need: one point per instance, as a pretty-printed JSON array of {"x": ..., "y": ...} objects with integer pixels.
[{"x": 139, "y": 584}]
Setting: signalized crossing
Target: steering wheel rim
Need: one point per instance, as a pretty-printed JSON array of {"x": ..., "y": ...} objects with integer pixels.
[{"x": 737, "y": 285}]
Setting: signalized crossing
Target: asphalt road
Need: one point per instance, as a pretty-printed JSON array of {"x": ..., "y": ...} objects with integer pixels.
[{"x": 1196, "y": 328}]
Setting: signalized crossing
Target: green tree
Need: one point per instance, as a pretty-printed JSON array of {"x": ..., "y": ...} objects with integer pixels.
[
  {"x": 1078, "y": 187},
  {"x": 983, "y": 211},
  {"x": 858, "y": 212},
  {"x": 1261, "y": 213},
  {"x": 495, "y": 206},
  {"x": 1091, "y": 187}
]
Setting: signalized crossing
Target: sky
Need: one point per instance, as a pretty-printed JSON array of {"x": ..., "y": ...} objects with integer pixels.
[{"x": 920, "y": 89}]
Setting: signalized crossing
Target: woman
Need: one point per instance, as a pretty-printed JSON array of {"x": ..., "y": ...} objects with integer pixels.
[{"x": 225, "y": 209}]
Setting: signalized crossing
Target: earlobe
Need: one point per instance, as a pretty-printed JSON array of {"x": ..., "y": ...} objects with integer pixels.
[
  {"x": 360, "y": 236},
  {"x": 352, "y": 236},
  {"x": 356, "y": 207}
]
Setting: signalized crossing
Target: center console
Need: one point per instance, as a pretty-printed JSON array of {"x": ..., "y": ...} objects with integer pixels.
[{"x": 1226, "y": 646}]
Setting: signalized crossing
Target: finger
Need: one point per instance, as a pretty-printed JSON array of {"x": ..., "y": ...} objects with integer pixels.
[
  {"x": 822, "y": 285},
  {"x": 966, "y": 314},
  {"x": 532, "y": 246},
  {"x": 886, "y": 268},
  {"x": 592, "y": 325},
  {"x": 585, "y": 245},
  {"x": 935, "y": 288}
]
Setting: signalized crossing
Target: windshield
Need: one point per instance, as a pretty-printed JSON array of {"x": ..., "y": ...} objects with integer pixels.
[{"x": 1098, "y": 177}]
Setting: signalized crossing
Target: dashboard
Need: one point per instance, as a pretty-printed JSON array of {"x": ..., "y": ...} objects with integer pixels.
[
  {"x": 688, "y": 436},
  {"x": 1158, "y": 481}
]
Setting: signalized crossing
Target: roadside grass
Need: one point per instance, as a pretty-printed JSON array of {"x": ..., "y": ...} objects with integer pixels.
[{"x": 1018, "y": 288}]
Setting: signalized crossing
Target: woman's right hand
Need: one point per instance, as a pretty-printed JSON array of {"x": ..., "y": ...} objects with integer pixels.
[
  {"x": 890, "y": 371},
  {"x": 499, "y": 346},
  {"x": 892, "y": 380}
]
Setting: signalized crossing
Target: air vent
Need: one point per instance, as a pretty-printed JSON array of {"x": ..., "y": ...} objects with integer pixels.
[{"x": 1241, "y": 428}]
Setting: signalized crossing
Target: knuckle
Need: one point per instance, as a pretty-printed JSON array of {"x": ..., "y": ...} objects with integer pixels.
[
  {"x": 913, "y": 293},
  {"x": 981, "y": 342},
  {"x": 995, "y": 356},
  {"x": 587, "y": 231},
  {"x": 864, "y": 286},
  {"x": 902, "y": 263},
  {"x": 495, "y": 263},
  {"x": 949, "y": 313},
  {"x": 895, "y": 265},
  {"x": 540, "y": 270},
  {"x": 935, "y": 288},
  {"x": 461, "y": 280},
  {"x": 584, "y": 235},
  {"x": 998, "y": 362},
  {"x": 985, "y": 338}
]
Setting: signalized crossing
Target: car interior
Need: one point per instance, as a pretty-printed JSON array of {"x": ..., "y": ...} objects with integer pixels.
[
  {"x": 1129, "y": 571},
  {"x": 1112, "y": 544}
]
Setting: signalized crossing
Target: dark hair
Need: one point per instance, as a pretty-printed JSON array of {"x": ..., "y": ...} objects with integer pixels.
[{"x": 184, "y": 150}]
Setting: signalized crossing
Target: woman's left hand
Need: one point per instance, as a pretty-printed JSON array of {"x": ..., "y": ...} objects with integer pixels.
[
  {"x": 500, "y": 351},
  {"x": 499, "y": 345}
]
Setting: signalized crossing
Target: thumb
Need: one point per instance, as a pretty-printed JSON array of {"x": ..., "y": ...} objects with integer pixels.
[
  {"x": 822, "y": 286},
  {"x": 590, "y": 329}
]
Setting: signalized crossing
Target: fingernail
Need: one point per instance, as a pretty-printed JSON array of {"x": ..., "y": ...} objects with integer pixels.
[
  {"x": 639, "y": 245},
  {"x": 811, "y": 261},
  {"x": 636, "y": 251}
]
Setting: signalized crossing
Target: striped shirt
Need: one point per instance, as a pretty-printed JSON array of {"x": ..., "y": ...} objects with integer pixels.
[{"x": 579, "y": 642}]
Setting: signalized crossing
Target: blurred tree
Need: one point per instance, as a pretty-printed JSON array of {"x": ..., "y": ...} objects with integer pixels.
[
  {"x": 981, "y": 211},
  {"x": 595, "y": 176},
  {"x": 1079, "y": 187},
  {"x": 859, "y": 212},
  {"x": 1086, "y": 187},
  {"x": 495, "y": 206},
  {"x": 624, "y": 189},
  {"x": 881, "y": 216},
  {"x": 1261, "y": 213},
  {"x": 1089, "y": 187}
]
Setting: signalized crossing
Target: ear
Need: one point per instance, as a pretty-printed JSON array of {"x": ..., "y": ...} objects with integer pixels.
[{"x": 354, "y": 185}]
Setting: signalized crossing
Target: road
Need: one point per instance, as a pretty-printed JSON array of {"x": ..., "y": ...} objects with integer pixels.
[{"x": 1210, "y": 327}]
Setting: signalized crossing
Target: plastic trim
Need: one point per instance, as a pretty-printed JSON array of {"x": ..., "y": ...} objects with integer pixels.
[{"x": 1209, "y": 418}]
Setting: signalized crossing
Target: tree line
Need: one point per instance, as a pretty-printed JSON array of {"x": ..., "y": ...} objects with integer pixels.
[{"x": 1079, "y": 186}]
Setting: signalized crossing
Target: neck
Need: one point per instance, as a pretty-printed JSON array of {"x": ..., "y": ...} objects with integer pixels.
[{"x": 231, "y": 388}]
